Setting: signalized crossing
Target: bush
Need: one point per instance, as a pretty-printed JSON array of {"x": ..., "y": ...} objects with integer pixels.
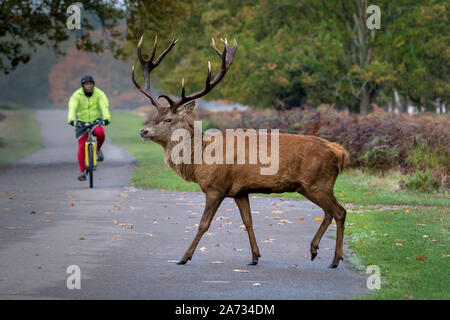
[
  {"x": 379, "y": 155},
  {"x": 422, "y": 157},
  {"x": 424, "y": 182}
]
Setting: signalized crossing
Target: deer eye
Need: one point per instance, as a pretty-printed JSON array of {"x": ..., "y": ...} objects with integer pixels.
[{"x": 168, "y": 120}]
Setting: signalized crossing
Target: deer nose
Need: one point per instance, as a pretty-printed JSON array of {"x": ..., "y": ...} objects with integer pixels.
[{"x": 144, "y": 132}]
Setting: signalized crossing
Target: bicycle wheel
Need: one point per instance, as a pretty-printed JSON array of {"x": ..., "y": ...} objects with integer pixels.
[{"x": 91, "y": 166}]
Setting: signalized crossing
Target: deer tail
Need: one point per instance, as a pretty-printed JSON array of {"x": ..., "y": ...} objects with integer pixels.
[{"x": 342, "y": 156}]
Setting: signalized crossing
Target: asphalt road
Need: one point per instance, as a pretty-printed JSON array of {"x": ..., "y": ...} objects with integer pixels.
[{"x": 124, "y": 240}]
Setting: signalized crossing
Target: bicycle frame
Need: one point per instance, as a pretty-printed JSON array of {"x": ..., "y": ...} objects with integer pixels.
[
  {"x": 90, "y": 141},
  {"x": 90, "y": 148}
]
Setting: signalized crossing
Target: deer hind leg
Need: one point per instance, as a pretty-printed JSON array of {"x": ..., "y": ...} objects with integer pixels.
[
  {"x": 244, "y": 207},
  {"x": 332, "y": 209},
  {"x": 212, "y": 203},
  {"x": 339, "y": 217}
]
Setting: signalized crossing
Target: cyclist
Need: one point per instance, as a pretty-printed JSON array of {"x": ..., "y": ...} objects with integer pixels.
[{"x": 85, "y": 105}]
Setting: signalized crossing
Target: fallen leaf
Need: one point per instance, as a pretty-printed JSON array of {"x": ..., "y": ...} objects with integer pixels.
[
  {"x": 172, "y": 261},
  {"x": 294, "y": 266},
  {"x": 407, "y": 211},
  {"x": 229, "y": 222},
  {"x": 300, "y": 219},
  {"x": 319, "y": 219},
  {"x": 82, "y": 238},
  {"x": 399, "y": 244},
  {"x": 228, "y": 210},
  {"x": 277, "y": 211},
  {"x": 203, "y": 249},
  {"x": 216, "y": 262},
  {"x": 442, "y": 229},
  {"x": 33, "y": 212},
  {"x": 421, "y": 258},
  {"x": 256, "y": 284},
  {"x": 238, "y": 270}
]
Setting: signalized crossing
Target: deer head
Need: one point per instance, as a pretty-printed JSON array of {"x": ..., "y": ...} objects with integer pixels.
[{"x": 168, "y": 119}]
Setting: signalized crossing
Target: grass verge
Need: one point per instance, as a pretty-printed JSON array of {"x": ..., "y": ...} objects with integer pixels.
[
  {"x": 19, "y": 134},
  {"x": 411, "y": 248}
]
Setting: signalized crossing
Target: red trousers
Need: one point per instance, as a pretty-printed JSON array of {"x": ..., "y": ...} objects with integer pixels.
[{"x": 99, "y": 132}]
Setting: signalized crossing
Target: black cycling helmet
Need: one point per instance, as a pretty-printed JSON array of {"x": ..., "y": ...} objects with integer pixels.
[{"x": 87, "y": 78}]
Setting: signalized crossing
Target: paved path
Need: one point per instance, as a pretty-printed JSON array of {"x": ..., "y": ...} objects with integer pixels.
[{"x": 124, "y": 239}]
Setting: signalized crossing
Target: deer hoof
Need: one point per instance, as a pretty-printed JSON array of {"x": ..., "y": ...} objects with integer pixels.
[
  {"x": 313, "y": 256},
  {"x": 333, "y": 266},
  {"x": 183, "y": 261},
  {"x": 253, "y": 263}
]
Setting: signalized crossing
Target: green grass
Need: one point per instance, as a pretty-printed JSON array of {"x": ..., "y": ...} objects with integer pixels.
[
  {"x": 411, "y": 247},
  {"x": 20, "y": 135},
  {"x": 402, "y": 275},
  {"x": 360, "y": 188},
  {"x": 8, "y": 105}
]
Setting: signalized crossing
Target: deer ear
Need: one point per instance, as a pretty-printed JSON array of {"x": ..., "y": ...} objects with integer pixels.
[{"x": 186, "y": 109}]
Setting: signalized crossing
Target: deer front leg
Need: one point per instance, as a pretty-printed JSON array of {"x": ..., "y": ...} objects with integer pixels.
[
  {"x": 244, "y": 207},
  {"x": 212, "y": 203},
  {"x": 315, "y": 242}
]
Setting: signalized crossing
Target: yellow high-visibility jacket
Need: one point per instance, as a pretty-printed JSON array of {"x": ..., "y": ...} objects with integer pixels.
[{"x": 86, "y": 109}]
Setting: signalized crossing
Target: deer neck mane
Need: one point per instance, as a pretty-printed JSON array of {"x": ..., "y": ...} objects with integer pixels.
[{"x": 184, "y": 170}]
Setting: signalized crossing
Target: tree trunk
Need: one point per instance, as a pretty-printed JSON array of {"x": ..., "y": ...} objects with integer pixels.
[
  {"x": 364, "y": 102},
  {"x": 404, "y": 105}
]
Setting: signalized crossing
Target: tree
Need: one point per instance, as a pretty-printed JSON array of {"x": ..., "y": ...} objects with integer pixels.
[
  {"x": 27, "y": 24},
  {"x": 293, "y": 51}
]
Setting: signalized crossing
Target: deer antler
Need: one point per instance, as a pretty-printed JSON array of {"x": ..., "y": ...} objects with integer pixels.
[
  {"x": 227, "y": 58},
  {"x": 147, "y": 65}
]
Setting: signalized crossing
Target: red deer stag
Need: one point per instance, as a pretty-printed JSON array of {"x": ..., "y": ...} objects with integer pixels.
[{"x": 308, "y": 165}]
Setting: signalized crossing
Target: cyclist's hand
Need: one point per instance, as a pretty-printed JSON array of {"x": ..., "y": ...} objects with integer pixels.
[
  {"x": 107, "y": 122},
  {"x": 72, "y": 123}
]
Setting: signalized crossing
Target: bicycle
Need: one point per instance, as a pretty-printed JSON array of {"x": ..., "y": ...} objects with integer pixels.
[{"x": 90, "y": 147}]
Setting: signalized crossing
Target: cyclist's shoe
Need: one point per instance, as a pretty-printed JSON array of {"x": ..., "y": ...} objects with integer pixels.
[
  {"x": 82, "y": 176},
  {"x": 99, "y": 155}
]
